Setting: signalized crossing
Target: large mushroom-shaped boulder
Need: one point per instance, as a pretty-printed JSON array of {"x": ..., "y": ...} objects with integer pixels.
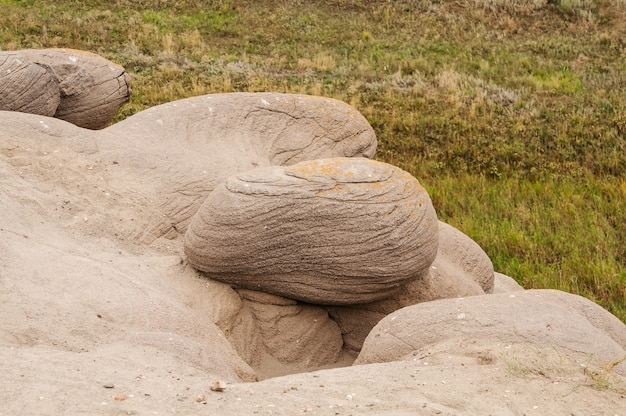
[
  {"x": 80, "y": 87},
  {"x": 327, "y": 231},
  {"x": 540, "y": 318}
]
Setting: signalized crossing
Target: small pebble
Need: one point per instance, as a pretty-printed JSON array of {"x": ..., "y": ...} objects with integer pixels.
[
  {"x": 218, "y": 386},
  {"x": 108, "y": 386}
]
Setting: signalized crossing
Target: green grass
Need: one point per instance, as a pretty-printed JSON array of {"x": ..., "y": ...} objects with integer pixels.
[{"x": 512, "y": 113}]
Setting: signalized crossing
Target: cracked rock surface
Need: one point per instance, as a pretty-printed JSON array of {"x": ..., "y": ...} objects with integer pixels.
[
  {"x": 76, "y": 86},
  {"x": 460, "y": 269}
]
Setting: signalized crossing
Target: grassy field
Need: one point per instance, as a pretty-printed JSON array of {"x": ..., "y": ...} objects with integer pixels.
[{"x": 512, "y": 113}]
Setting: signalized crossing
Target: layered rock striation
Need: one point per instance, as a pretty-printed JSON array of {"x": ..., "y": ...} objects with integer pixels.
[
  {"x": 82, "y": 88},
  {"x": 328, "y": 231}
]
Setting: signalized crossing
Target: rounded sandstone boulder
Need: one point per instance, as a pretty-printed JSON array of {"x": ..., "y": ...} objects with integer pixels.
[
  {"x": 80, "y": 87},
  {"x": 328, "y": 231},
  {"x": 537, "y": 318}
]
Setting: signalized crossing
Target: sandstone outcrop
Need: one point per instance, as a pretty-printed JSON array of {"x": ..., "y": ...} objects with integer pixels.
[
  {"x": 134, "y": 187},
  {"x": 328, "y": 231},
  {"x": 76, "y": 86}
]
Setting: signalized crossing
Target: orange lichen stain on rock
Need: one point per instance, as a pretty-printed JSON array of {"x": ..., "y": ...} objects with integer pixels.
[
  {"x": 359, "y": 176},
  {"x": 338, "y": 169},
  {"x": 366, "y": 181}
]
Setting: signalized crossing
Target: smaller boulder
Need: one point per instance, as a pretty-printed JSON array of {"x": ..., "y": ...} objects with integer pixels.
[
  {"x": 505, "y": 284},
  {"x": 541, "y": 318},
  {"x": 80, "y": 87}
]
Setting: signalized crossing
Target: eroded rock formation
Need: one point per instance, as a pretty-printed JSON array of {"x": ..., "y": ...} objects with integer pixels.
[
  {"x": 76, "y": 86},
  {"x": 327, "y": 231},
  {"x": 27, "y": 87},
  {"x": 95, "y": 289},
  {"x": 138, "y": 184}
]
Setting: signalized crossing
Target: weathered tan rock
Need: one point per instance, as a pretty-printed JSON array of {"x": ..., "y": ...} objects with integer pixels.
[
  {"x": 459, "y": 255},
  {"x": 85, "y": 301},
  {"x": 505, "y": 284},
  {"x": 355, "y": 324},
  {"x": 278, "y": 336},
  {"x": 541, "y": 318},
  {"x": 135, "y": 185},
  {"x": 327, "y": 231},
  {"x": 76, "y": 86},
  {"x": 26, "y": 86},
  {"x": 460, "y": 269}
]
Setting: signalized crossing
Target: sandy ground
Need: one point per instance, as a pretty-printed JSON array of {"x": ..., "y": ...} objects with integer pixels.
[{"x": 148, "y": 381}]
